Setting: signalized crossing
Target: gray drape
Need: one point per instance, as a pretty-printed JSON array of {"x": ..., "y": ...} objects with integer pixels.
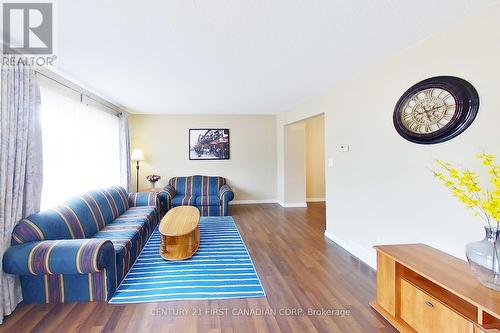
[
  {"x": 20, "y": 164},
  {"x": 124, "y": 151}
]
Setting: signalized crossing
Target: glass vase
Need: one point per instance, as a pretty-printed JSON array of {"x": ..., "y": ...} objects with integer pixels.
[
  {"x": 153, "y": 185},
  {"x": 483, "y": 257}
]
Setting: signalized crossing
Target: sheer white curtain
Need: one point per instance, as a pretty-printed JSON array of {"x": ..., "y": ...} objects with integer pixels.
[
  {"x": 20, "y": 164},
  {"x": 81, "y": 148},
  {"x": 124, "y": 151}
]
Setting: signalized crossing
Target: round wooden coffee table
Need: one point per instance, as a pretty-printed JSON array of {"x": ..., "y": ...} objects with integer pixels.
[{"x": 180, "y": 233}]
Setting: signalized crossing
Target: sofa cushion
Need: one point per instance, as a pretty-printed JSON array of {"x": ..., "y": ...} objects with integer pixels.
[
  {"x": 73, "y": 219},
  {"x": 197, "y": 185},
  {"x": 78, "y": 217},
  {"x": 214, "y": 210},
  {"x": 111, "y": 202},
  {"x": 124, "y": 236},
  {"x": 181, "y": 200},
  {"x": 145, "y": 214},
  {"x": 207, "y": 200}
]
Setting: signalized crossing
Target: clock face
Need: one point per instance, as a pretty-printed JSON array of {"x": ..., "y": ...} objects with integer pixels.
[
  {"x": 436, "y": 110},
  {"x": 428, "y": 111}
]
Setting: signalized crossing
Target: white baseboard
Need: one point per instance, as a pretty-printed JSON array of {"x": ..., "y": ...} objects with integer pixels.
[
  {"x": 315, "y": 199},
  {"x": 252, "y": 202},
  {"x": 369, "y": 258},
  {"x": 293, "y": 204}
]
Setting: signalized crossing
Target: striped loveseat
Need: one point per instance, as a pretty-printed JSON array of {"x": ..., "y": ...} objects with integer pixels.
[
  {"x": 81, "y": 249},
  {"x": 210, "y": 194}
]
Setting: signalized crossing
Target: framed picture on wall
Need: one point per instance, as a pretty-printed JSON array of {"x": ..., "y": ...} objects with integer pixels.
[{"x": 209, "y": 144}]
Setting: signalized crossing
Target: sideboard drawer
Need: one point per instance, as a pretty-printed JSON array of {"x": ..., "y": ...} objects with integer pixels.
[{"x": 426, "y": 314}]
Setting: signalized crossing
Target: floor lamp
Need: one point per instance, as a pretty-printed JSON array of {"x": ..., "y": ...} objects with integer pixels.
[{"x": 137, "y": 156}]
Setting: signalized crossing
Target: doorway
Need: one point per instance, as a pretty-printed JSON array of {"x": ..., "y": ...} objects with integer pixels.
[
  {"x": 304, "y": 162},
  {"x": 315, "y": 158}
]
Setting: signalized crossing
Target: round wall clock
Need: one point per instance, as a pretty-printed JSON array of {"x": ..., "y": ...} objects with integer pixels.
[{"x": 436, "y": 110}]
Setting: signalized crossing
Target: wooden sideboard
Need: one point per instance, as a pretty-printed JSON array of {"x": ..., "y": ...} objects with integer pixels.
[{"x": 421, "y": 289}]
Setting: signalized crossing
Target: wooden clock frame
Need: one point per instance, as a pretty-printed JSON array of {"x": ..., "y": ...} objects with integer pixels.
[{"x": 467, "y": 105}]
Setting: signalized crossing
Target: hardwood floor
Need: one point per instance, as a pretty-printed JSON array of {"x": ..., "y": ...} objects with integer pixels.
[{"x": 305, "y": 276}]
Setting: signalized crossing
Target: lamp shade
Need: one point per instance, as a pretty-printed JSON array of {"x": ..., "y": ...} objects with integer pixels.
[{"x": 137, "y": 155}]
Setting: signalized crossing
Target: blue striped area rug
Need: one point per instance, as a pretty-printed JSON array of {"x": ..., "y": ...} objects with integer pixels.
[{"x": 220, "y": 269}]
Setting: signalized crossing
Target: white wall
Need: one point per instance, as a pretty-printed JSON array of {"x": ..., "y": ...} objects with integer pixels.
[
  {"x": 382, "y": 190},
  {"x": 251, "y": 170},
  {"x": 315, "y": 158}
]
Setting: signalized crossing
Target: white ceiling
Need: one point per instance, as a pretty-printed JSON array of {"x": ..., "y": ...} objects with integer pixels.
[{"x": 234, "y": 56}]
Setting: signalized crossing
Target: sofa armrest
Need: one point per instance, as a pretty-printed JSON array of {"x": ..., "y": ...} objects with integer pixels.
[
  {"x": 166, "y": 196},
  {"x": 226, "y": 194},
  {"x": 68, "y": 256},
  {"x": 143, "y": 199},
  {"x": 170, "y": 190}
]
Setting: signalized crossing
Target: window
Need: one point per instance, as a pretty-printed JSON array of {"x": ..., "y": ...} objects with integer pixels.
[{"x": 80, "y": 144}]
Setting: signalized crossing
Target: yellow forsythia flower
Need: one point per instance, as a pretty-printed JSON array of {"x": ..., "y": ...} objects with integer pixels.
[{"x": 464, "y": 185}]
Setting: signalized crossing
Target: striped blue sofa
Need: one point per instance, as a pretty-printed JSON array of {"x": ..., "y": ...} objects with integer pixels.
[
  {"x": 81, "y": 250},
  {"x": 210, "y": 194}
]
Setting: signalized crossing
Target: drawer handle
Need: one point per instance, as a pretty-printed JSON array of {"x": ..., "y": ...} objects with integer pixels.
[{"x": 429, "y": 304}]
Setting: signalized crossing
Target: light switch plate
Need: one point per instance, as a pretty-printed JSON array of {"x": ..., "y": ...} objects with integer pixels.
[{"x": 344, "y": 148}]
